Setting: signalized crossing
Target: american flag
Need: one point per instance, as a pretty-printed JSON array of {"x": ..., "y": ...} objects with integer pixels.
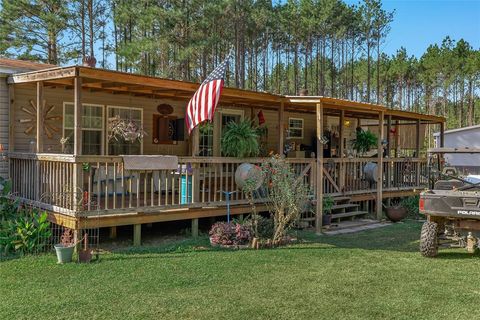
[{"x": 203, "y": 103}]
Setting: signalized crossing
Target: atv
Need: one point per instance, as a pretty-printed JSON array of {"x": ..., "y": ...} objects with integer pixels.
[{"x": 451, "y": 206}]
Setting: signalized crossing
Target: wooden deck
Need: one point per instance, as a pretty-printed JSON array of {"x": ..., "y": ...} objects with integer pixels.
[{"x": 106, "y": 194}]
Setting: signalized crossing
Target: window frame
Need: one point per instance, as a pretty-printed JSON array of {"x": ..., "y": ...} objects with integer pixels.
[
  {"x": 108, "y": 107},
  {"x": 302, "y": 128},
  {"x": 102, "y": 130}
]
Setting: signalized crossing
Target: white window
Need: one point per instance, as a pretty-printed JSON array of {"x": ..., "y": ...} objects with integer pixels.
[
  {"x": 120, "y": 146},
  {"x": 92, "y": 128},
  {"x": 295, "y": 128}
]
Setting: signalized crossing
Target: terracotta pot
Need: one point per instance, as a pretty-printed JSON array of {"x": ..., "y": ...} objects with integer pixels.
[{"x": 396, "y": 213}]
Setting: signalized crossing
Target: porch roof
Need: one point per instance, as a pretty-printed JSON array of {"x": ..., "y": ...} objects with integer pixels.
[{"x": 95, "y": 79}]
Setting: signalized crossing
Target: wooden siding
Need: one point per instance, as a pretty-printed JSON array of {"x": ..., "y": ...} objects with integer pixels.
[{"x": 57, "y": 96}]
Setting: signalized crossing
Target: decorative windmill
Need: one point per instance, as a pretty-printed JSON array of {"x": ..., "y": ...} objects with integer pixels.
[{"x": 49, "y": 127}]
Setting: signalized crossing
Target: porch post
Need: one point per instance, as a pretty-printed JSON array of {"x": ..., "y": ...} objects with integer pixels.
[
  {"x": 319, "y": 169},
  {"x": 389, "y": 150},
  {"x": 442, "y": 134},
  {"x": 39, "y": 117},
  {"x": 397, "y": 139},
  {"x": 381, "y": 129},
  {"x": 78, "y": 114},
  {"x": 417, "y": 153},
  {"x": 39, "y": 143},
  {"x": 11, "y": 115},
  {"x": 195, "y": 137},
  {"x": 341, "y": 150},
  {"x": 195, "y": 228},
  {"x": 77, "y": 191},
  {"x": 389, "y": 140},
  {"x": 195, "y": 171},
  {"x": 281, "y": 132},
  {"x": 418, "y": 142}
]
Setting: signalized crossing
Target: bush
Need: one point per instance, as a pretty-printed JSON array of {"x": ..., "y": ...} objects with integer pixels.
[
  {"x": 22, "y": 230},
  {"x": 230, "y": 233},
  {"x": 286, "y": 197},
  {"x": 265, "y": 228},
  {"x": 29, "y": 232},
  {"x": 411, "y": 204}
]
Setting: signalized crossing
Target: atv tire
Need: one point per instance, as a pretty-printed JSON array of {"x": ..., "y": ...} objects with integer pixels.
[{"x": 429, "y": 239}]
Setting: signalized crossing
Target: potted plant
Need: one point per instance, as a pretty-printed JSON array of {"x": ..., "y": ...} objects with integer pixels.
[
  {"x": 66, "y": 246},
  {"x": 327, "y": 210},
  {"x": 364, "y": 141},
  {"x": 401, "y": 209},
  {"x": 240, "y": 140}
]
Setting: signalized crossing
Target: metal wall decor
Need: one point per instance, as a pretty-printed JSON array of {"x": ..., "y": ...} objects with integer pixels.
[{"x": 30, "y": 113}]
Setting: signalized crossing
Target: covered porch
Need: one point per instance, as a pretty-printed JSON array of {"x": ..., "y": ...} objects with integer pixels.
[{"x": 82, "y": 190}]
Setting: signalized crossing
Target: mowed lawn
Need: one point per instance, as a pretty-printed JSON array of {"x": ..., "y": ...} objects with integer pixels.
[{"x": 376, "y": 274}]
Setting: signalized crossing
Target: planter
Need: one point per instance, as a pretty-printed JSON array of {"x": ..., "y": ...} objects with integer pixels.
[
  {"x": 64, "y": 254},
  {"x": 396, "y": 213},
  {"x": 326, "y": 219}
]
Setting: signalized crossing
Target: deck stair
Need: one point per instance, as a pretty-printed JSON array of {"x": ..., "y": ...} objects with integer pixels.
[{"x": 343, "y": 209}]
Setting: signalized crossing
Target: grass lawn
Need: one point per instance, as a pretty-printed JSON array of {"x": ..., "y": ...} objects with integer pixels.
[{"x": 377, "y": 274}]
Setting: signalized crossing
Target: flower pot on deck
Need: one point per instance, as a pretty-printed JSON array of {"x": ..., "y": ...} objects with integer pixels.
[
  {"x": 396, "y": 213},
  {"x": 64, "y": 254}
]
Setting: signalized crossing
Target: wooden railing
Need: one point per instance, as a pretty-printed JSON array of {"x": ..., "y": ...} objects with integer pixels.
[
  {"x": 405, "y": 173},
  {"x": 351, "y": 176},
  {"x": 101, "y": 184}
]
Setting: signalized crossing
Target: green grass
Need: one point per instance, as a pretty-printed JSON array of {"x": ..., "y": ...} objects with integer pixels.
[{"x": 377, "y": 274}]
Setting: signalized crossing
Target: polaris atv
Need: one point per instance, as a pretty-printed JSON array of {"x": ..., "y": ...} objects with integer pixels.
[{"x": 451, "y": 206}]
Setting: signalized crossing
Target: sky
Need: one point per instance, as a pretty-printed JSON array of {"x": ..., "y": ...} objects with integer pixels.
[{"x": 419, "y": 23}]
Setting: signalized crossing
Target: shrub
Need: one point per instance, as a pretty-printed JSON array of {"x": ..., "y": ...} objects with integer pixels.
[
  {"x": 286, "y": 197},
  {"x": 22, "y": 230},
  {"x": 265, "y": 228},
  {"x": 28, "y": 232},
  {"x": 411, "y": 204},
  {"x": 227, "y": 234}
]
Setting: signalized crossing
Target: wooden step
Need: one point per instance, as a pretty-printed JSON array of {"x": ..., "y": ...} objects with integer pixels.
[
  {"x": 308, "y": 219},
  {"x": 344, "y": 206},
  {"x": 348, "y": 214},
  {"x": 341, "y": 199}
]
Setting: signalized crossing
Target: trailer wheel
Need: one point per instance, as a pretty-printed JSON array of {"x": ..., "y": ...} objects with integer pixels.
[{"x": 429, "y": 239}]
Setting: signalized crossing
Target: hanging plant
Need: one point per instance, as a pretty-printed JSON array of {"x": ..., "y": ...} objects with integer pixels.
[
  {"x": 364, "y": 141},
  {"x": 240, "y": 140},
  {"x": 127, "y": 130}
]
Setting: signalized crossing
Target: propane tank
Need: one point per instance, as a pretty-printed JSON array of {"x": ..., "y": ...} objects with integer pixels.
[{"x": 471, "y": 243}]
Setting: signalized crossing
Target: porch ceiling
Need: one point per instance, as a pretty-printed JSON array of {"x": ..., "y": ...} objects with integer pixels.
[{"x": 116, "y": 82}]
